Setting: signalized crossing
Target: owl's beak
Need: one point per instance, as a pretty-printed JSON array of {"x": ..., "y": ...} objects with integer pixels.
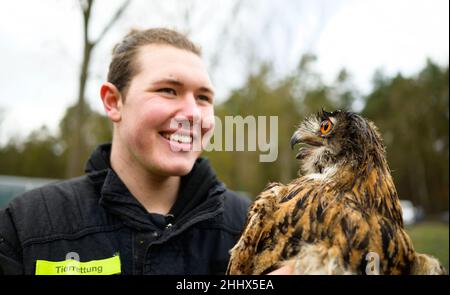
[
  {"x": 304, "y": 138},
  {"x": 295, "y": 139}
]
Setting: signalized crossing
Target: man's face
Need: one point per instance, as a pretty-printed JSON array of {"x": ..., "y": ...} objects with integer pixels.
[{"x": 170, "y": 92}]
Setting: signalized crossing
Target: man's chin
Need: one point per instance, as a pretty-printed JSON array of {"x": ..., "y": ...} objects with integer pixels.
[
  {"x": 176, "y": 169},
  {"x": 180, "y": 171}
]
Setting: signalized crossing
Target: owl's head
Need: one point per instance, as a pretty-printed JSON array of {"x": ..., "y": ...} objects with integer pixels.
[{"x": 330, "y": 140}]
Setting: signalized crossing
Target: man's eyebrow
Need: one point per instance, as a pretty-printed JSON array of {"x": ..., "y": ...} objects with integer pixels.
[
  {"x": 180, "y": 84},
  {"x": 168, "y": 81},
  {"x": 207, "y": 89}
]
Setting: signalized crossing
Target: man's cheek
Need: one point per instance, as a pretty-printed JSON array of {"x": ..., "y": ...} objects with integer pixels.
[
  {"x": 208, "y": 124},
  {"x": 207, "y": 130},
  {"x": 143, "y": 135}
]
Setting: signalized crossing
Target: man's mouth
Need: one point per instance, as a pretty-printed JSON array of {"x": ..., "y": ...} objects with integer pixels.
[{"x": 178, "y": 137}]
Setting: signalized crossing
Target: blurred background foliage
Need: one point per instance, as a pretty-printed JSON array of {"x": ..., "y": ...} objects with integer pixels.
[{"x": 411, "y": 112}]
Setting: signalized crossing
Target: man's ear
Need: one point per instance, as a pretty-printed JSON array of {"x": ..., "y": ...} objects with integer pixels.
[{"x": 112, "y": 101}]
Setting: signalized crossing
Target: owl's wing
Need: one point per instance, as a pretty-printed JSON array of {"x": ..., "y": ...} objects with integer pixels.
[
  {"x": 259, "y": 215},
  {"x": 318, "y": 259},
  {"x": 346, "y": 238},
  {"x": 329, "y": 239}
]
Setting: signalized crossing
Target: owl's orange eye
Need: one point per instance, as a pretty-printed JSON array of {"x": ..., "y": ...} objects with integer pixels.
[{"x": 326, "y": 126}]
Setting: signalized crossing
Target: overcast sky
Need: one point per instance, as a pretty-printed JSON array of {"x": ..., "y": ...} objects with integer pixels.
[{"x": 40, "y": 44}]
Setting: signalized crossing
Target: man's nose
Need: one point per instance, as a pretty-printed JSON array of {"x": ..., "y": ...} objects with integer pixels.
[{"x": 189, "y": 109}]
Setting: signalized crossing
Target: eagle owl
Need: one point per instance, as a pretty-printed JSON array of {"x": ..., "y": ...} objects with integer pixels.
[{"x": 343, "y": 216}]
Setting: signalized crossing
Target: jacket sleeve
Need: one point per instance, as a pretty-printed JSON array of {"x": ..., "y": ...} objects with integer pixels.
[{"x": 10, "y": 257}]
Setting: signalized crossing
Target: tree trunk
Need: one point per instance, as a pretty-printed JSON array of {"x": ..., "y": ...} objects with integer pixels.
[{"x": 78, "y": 149}]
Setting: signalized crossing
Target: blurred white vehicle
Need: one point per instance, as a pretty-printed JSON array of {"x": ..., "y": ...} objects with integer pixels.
[{"x": 411, "y": 214}]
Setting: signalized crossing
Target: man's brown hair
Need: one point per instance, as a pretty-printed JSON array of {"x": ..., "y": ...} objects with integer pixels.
[{"x": 123, "y": 66}]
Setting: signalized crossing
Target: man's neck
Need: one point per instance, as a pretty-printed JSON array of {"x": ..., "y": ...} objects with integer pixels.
[{"x": 155, "y": 192}]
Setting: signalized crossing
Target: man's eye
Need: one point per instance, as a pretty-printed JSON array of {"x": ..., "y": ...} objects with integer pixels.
[
  {"x": 167, "y": 90},
  {"x": 205, "y": 98}
]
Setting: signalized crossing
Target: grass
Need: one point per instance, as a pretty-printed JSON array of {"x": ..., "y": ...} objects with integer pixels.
[{"x": 431, "y": 238}]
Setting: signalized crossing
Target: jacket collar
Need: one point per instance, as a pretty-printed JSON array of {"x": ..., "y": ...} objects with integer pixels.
[{"x": 200, "y": 195}]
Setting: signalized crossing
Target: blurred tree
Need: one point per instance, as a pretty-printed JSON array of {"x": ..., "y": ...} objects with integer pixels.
[
  {"x": 76, "y": 157},
  {"x": 343, "y": 92},
  {"x": 96, "y": 129},
  {"x": 37, "y": 156},
  {"x": 42, "y": 154},
  {"x": 10, "y": 157},
  {"x": 2, "y": 116},
  {"x": 412, "y": 114}
]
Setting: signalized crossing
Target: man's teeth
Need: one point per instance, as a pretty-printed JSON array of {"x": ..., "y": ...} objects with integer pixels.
[{"x": 178, "y": 138}]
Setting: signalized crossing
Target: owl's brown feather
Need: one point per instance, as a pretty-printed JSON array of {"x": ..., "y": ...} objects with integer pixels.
[{"x": 330, "y": 222}]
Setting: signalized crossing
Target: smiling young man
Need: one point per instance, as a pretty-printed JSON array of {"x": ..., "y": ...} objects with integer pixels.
[{"x": 148, "y": 204}]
